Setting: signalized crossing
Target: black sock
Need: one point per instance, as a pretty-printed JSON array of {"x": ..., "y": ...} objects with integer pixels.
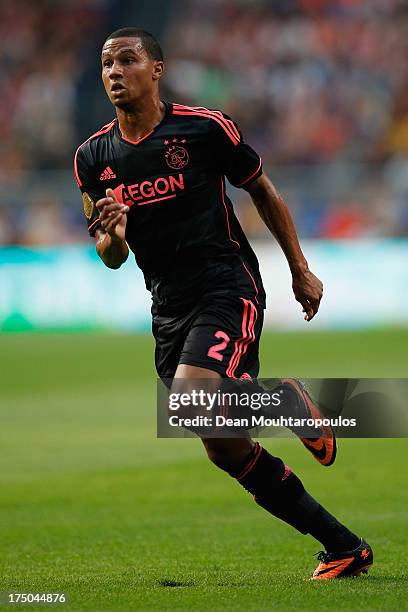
[
  {"x": 279, "y": 491},
  {"x": 334, "y": 536}
]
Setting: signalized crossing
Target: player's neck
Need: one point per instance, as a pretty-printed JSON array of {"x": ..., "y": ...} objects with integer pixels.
[{"x": 137, "y": 122}]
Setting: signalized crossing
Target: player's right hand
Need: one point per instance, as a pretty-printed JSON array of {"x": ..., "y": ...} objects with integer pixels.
[{"x": 112, "y": 215}]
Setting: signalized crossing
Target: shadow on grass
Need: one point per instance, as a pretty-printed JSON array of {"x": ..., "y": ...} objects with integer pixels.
[{"x": 175, "y": 583}]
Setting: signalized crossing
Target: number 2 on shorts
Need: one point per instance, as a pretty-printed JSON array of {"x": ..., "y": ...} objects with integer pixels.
[{"x": 215, "y": 351}]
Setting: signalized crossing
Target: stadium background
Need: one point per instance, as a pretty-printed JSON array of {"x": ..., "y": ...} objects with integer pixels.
[{"x": 91, "y": 502}]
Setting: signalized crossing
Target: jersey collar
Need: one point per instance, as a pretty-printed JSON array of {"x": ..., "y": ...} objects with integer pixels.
[{"x": 167, "y": 111}]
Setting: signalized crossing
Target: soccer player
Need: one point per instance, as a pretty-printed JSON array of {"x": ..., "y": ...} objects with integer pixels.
[{"x": 153, "y": 181}]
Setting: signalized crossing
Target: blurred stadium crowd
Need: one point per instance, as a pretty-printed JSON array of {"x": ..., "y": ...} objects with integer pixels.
[{"x": 319, "y": 88}]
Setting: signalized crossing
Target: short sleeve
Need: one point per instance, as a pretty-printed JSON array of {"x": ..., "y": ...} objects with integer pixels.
[
  {"x": 91, "y": 191},
  {"x": 236, "y": 159}
]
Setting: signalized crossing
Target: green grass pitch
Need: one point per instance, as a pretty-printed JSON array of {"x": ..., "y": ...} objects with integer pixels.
[{"x": 94, "y": 505}]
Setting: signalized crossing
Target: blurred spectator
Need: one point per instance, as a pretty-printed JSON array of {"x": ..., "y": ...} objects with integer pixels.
[
  {"x": 6, "y": 235},
  {"x": 319, "y": 88},
  {"x": 323, "y": 78},
  {"x": 43, "y": 221},
  {"x": 310, "y": 82},
  {"x": 40, "y": 44}
]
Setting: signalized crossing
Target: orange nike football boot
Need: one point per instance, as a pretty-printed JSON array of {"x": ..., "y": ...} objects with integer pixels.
[
  {"x": 323, "y": 444},
  {"x": 346, "y": 564}
]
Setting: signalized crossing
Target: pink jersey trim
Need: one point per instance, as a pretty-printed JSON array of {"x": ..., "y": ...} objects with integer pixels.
[
  {"x": 229, "y": 124},
  {"x": 226, "y": 212},
  {"x": 249, "y": 318},
  {"x": 252, "y": 175},
  {"x": 92, "y": 224},
  {"x": 251, "y": 463},
  {"x": 253, "y": 282},
  {"x": 136, "y": 142},
  {"x": 186, "y": 111},
  {"x": 106, "y": 128}
]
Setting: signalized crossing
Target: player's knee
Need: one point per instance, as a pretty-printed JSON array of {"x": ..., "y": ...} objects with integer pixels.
[
  {"x": 228, "y": 454},
  {"x": 218, "y": 457}
]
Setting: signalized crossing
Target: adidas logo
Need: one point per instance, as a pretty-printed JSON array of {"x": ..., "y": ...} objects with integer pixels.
[{"x": 107, "y": 174}]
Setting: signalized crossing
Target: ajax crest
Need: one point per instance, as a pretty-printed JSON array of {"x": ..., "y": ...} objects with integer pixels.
[{"x": 176, "y": 156}]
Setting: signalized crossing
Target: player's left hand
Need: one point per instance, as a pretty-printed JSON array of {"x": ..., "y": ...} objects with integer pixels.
[{"x": 308, "y": 290}]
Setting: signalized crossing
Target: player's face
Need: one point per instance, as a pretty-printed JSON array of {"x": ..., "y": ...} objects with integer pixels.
[{"x": 128, "y": 73}]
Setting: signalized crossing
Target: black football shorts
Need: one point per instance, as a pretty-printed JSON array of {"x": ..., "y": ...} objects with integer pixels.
[{"x": 220, "y": 333}]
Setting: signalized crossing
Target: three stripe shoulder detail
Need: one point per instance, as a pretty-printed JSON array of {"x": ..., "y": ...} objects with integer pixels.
[{"x": 226, "y": 124}]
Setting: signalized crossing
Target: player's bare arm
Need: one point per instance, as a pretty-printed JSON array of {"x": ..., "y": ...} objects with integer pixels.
[
  {"x": 307, "y": 288},
  {"x": 110, "y": 238}
]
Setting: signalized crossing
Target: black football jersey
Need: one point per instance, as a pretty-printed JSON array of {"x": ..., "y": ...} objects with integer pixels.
[{"x": 181, "y": 225}]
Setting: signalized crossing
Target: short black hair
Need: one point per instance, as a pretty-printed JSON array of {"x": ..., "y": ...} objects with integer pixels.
[{"x": 149, "y": 42}]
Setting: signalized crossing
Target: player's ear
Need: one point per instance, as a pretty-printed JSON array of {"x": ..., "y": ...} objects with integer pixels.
[{"x": 158, "y": 70}]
